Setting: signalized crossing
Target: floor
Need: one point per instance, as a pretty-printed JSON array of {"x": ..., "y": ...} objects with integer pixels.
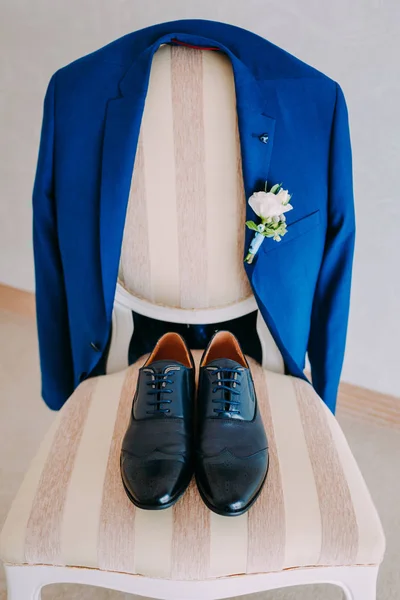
[{"x": 24, "y": 418}]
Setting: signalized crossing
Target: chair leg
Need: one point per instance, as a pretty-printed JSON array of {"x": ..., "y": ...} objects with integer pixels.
[
  {"x": 361, "y": 584},
  {"x": 23, "y": 583}
]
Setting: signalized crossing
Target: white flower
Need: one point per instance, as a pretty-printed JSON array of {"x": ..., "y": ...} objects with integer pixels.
[
  {"x": 261, "y": 227},
  {"x": 267, "y": 204}
]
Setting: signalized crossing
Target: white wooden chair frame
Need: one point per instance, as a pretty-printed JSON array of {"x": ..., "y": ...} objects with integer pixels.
[{"x": 25, "y": 582}]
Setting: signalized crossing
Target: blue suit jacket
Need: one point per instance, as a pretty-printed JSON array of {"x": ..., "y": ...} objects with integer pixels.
[{"x": 91, "y": 120}]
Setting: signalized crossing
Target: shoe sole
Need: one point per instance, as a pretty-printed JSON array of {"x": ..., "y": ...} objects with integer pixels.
[
  {"x": 147, "y": 507},
  {"x": 224, "y": 513}
]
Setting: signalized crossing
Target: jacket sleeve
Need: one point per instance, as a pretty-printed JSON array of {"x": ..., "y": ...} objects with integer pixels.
[
  {"x": 332, "y": 296},
  {"x": 51, "y": 305}
]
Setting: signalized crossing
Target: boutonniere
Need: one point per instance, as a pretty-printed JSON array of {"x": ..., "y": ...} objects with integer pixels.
[{"x": 271, "y": 208}]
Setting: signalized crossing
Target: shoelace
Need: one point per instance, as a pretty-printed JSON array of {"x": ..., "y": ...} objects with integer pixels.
[
  {"x": 159, "y": 380},
  {"x": 227, "y": 383}
]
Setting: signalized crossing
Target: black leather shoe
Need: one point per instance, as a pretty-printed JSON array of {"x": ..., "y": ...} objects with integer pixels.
[
  {"x": 157, "y": 450},
  {"x": 232, "y": 448}
]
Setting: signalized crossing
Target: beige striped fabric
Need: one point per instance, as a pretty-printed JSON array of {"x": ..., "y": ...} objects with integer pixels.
[
  {"x": 314, "y": 510},
  {"x": 184, "y": 230}
]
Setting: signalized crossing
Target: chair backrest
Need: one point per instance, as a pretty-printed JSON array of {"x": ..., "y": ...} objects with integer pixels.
[
  {"x": 184, "y": 229},
  {"x": 182, "y": 250}
]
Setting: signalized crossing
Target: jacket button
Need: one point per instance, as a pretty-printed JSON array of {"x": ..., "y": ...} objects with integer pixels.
[
  {"x": 264, "y": 138},
  {"x": 95, "y": 347}
]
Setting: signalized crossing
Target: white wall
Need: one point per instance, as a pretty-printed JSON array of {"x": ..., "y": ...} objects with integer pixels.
[{"x": 356, "y": 43}]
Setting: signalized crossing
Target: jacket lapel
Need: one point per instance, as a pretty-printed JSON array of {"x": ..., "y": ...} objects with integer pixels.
[
  {"x": 121, "y": 132},
  {"x": 256, "y": 159}
]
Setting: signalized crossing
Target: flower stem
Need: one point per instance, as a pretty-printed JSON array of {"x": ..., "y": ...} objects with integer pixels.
[{"x": 249, "y": 258}]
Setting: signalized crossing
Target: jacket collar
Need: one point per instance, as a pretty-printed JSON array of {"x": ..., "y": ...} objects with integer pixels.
[{"x": 136, "y": 79}]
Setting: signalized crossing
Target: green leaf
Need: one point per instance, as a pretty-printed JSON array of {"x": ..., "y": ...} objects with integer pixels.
[
  {"x": 251, "y": 225},
  {"x": 275, "y": 188},
  {"x": 265, "y": 186}
]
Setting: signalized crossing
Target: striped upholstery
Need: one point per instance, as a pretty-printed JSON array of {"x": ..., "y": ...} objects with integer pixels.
[
  {"x": 184, "y": 230},
  {"x": 314, "y": 509}
]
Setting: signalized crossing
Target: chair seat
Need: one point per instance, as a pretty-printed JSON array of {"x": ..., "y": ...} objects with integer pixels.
[{"x": 314, "y": 510}]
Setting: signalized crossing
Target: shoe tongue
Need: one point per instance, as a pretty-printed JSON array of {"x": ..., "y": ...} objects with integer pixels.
[
  {"x": 224, "y": 363},
  {"x": 224, "y": 397},
  {"x": 159, "y": 366}
]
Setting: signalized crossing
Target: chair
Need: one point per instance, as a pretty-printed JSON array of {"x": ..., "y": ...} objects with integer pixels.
[{"x": 71, "y": 520}]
